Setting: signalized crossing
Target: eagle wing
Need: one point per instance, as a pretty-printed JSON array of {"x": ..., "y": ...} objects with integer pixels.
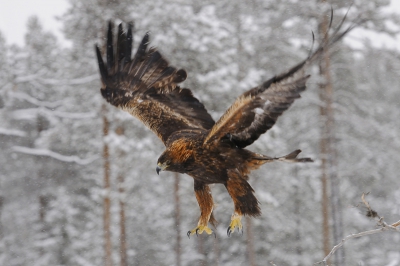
[
  {"x": 256, "y": 111},
  {"x": 146, "y": 87}
]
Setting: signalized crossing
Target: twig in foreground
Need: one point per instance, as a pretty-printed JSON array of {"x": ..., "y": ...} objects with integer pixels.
[{"x": 371, "y": 213}]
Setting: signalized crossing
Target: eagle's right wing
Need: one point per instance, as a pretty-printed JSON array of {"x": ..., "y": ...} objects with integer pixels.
[{"x": 146, "y": 87}]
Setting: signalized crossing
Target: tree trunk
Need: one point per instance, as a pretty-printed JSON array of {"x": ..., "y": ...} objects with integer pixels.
[
  {"x": 177, "y": 221},
  {"x": 106, "y": 199},
  {"x": 43, "y": 203},
  {"x": 1, "y": 212},
  {"x": 121, "y": 190},
  {"x": 325, "y": 88},
  {"x": 251, "y": 256},
  {"x": 122, "y": 235},
  {"x": 201, "y": 250},
  {"x": 328, "y": 154},
  {"x": 217, "y": 250},
  {"x": 298, "y": 216}
]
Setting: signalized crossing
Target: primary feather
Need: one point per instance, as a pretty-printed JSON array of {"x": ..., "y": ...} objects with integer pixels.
[{"x": 146, "y": 86}]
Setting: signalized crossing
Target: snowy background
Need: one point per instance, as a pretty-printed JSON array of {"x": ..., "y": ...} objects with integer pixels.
[{"x": 53, "y": 194}]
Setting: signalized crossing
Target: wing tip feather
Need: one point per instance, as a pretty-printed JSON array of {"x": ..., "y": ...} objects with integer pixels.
[
  {"x": 180, "y": 76},
  {"x": 102, "y": 67}
]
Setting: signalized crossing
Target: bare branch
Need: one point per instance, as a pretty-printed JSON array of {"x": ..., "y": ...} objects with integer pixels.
[
  {"x": 370, "y": 213},
  {"x": 396, "y": 224},
  {"x": 55, "y": 155},
  {"x": 370, "y": 232}
]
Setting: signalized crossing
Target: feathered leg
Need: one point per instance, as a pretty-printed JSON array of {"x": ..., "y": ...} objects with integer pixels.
[
  {"x": 206, "y": 204},
  {"x": 243, "y": 198}
]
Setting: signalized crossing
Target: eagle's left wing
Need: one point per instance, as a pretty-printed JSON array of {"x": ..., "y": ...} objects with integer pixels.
[
  {"x": 146, "y": 87},
  {"x": 257, "y": 110}
]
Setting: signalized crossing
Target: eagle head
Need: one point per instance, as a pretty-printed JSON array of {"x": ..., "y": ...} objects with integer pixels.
[
  {"x": 175, "y": 161},
  {"x": 163, "y": 163}
]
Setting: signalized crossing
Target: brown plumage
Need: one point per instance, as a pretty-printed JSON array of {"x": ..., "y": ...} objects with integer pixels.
[{"x": 211, "y": 152}]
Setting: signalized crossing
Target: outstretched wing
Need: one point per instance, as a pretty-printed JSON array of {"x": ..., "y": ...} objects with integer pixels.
[
  {"x": 146, "y": 87},
  {"x": 257, "y": 110}
]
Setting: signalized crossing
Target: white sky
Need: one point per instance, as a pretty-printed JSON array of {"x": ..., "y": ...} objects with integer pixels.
[{"x": 15, "y": 13}]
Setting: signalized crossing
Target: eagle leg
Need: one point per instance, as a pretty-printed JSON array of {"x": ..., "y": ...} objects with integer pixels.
[
  {"x": 206, "y": 204},
  {"x": 243, "y": 198}
]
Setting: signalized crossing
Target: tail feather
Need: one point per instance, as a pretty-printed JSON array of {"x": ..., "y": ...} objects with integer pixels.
[
  {"x": 292, "y": 155},
  {"x": 291, "y": 158}
]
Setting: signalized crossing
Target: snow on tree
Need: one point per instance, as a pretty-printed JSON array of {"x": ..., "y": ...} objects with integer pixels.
[{"x": 51, "y": 179}]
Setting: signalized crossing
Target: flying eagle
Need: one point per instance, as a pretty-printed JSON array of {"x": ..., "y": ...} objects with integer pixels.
[{"x": 146, "y": 86}]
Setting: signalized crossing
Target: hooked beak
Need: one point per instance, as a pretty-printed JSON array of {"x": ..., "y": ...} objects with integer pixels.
[{"x": 160, "y": 167}]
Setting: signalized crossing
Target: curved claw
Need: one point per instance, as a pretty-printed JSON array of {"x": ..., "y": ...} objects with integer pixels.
[
  {"x": 199, "y": 230},
  {"x": 229, "y": 231},
  {"x": 235, "y": 223}
]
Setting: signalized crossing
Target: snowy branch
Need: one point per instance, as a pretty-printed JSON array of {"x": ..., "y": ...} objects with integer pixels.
[
  {"x": 77, "y": 81},
  {"x": 12, "y": 132},
  {"x": 73, "y": 115},
  {"x": 370, "y": 213},
  {"x": 32, "y": 100},
  {"x": 57, "y": 156},
  {"x": 32, "y": 112},
  {"x": 44, "y": 108}
]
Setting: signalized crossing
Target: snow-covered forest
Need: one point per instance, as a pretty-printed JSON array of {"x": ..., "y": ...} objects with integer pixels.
[{"x": 78, "y": 184}]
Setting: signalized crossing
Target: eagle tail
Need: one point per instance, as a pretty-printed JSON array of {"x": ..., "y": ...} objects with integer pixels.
[{"x": 291, "y": 158}]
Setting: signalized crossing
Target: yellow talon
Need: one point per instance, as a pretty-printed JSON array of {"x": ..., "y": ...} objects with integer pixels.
[
  {"x": 199, "y": 230},
  {"x": 235, "y": 222}
]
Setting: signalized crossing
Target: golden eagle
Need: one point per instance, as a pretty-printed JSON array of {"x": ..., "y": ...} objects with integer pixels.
[{"x": 146, "y": 86}]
